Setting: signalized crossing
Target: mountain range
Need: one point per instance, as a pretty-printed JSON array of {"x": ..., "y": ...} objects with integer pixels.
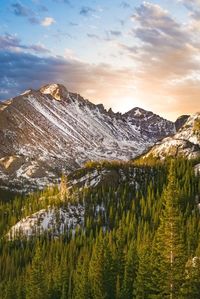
[
  {"x": 122, "y": 193},
  {"x": 46, "y": 132}
]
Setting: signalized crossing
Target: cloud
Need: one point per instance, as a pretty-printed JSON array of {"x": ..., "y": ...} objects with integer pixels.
[
  {"x": 128, "y": 49},
  {"x": 194, "y": 7},
  {"x": 167, "y": 47},
  {"x": 9, "y": 41},
  {"x": 38, "y": 48},
  {"x": 93, "y": 36},
  {"x": 166, "y": 58},
  {"x": 20, "y": 71},
  {"x": 13, "y": 43},
  {"x": 21, "y": 10},
  {"x": 48, "y": 21},
  {"x": 70, "y": 54},
  {"x": 151, "y": 16},
  {"x": 86, "y": 10},
  {"x": 191, "y": 4},
  {"x": 163, "y": 55},
  {"x": 115, "y": 33}
]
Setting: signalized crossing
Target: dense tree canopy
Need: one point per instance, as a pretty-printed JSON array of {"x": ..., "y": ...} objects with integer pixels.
[{"x": 142, "y": 243}]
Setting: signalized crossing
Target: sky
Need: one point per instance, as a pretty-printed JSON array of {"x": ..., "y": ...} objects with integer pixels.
[{"x": 123, "y": 54}]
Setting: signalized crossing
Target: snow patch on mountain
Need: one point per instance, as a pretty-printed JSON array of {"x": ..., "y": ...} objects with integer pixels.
[
  {"x": 52, "y": 220},
  {"x": 25, "y": 92}
]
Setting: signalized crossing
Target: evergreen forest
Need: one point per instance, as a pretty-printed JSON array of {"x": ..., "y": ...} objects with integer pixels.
[{"x": 138, "y": 240}]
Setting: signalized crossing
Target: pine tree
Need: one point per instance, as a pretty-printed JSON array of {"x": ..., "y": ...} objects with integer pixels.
[
  {"x": 169, "y": 253},
  {"x": 131, "y": 264},
  {"x": 97, "y": 273},
  {"x": 81, "y": 280},
  {"x": 36, "y": 288},
  {"x": 144, "y": 279}
]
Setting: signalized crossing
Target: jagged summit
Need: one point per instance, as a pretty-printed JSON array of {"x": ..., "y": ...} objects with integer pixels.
[
  {"x": 43, "y": 131},
  {"x": 58, "y": 91},
  {"x": 149, "y": 123},
  {"x": 138, "y": 112}
]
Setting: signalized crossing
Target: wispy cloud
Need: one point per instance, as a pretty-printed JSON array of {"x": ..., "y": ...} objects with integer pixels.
[
  {"x": 86, "y": 10},
  {"x": 21, "y": 10},
  {"x": 194, "y": 7},
  {"x": 166, "y": 46},
  {"x": 166, "y": 57},
  {"x": 93, "y": 36},
  {"x": 13, "y": 43},
  {"x": 24, "y": 11},
  {"x": 191, "y": 4},
  {"x": 115, "y": 32},
  {"x": 20, "y": 71}
]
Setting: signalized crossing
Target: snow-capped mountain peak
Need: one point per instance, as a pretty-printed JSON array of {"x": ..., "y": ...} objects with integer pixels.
[
  {"x": 43, "y": 131},
  {"x": 149, "y": 123},
  {"x": 138, "y": 112},
  {"x": 57, "y": 91}
]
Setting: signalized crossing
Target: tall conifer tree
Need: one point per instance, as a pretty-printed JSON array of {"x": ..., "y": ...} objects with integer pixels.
[{"x": 169, "y": 253}]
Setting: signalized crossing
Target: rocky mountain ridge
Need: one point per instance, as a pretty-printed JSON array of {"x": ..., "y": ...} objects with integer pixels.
[
  {"x": 44, "y": 132},
  {"x": 185, "y": 143}
]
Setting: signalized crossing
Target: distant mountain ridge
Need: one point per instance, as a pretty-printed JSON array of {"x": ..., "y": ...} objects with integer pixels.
[
  {"x": 185, "y": 143},
  {"x": 44, "y": 132}
]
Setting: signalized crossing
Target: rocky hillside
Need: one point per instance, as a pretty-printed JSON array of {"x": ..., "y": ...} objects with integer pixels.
[
  {"x": 63, "y": 208},
  {"x": 185, "y": 143},
  {"x": 46, "y": 131}
]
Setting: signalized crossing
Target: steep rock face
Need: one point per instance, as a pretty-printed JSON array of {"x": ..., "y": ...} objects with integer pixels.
[
  {"x": 181, "y": 121},
  {"x": 185, "y": 143},
  {"x": 149, "y": 124},
  {"x": 50, "y": 130}
]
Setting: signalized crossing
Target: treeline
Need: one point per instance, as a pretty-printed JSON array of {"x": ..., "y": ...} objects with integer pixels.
[{"x": 138, "y": 241}]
